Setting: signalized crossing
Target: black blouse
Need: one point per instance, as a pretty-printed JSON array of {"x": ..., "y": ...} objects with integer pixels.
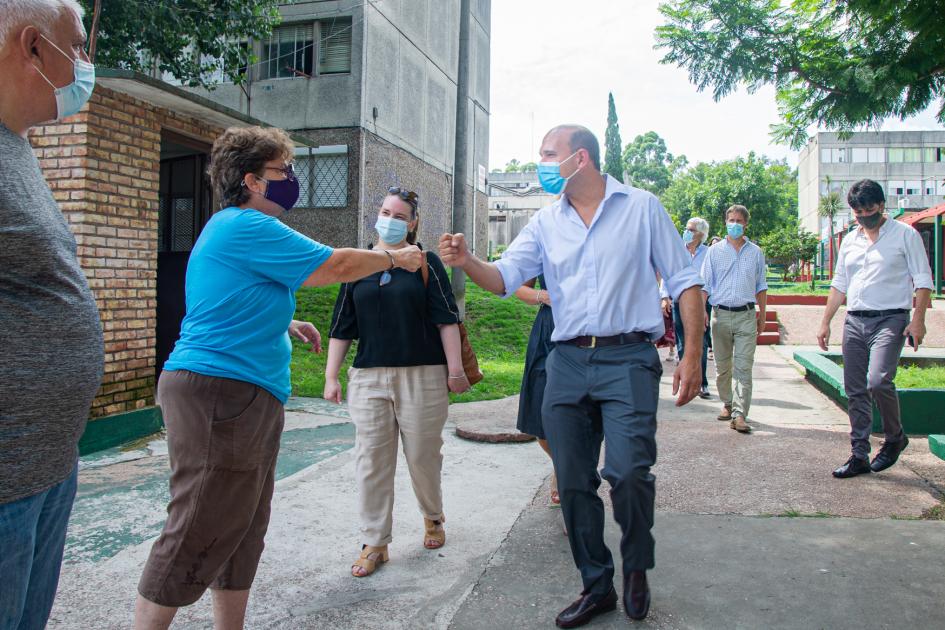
[{"x": 396, "y": 324}]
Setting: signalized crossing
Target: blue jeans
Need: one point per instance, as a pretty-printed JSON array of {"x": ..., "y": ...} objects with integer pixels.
[
  {"x": 681, "y": 341},
  {"x": 32, "y": 538}
]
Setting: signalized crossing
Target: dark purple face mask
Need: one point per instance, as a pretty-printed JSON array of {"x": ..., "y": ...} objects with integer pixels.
[{"x": 284, "y": 192}]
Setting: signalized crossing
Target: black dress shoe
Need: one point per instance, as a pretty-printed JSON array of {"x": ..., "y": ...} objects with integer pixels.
[
  {"x": 704, "y": 393},
  {"x": 888, "y": 454},
  {"x": 854, "y": 466},
  {"x": 636, "y": 595},
  {"x": 586, "y": 608}
]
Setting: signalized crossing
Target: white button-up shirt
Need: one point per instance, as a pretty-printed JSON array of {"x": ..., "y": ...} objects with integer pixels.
[
  {"x": 734, "y": 277},
  {"x": 882, "y": 275},
  {"x": 698, "y": 257},
  {"x": 602, "y": 278}
]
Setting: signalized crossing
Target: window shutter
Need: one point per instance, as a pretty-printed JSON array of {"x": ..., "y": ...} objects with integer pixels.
[{"x": 335, "y": 48}]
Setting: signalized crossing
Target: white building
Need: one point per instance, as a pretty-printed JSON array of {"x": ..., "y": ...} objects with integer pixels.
[{"x": 513, "y": 199}]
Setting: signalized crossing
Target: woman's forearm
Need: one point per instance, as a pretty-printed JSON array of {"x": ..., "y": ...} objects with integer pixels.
[
  {"x": 337, "y": 349},
  {"x": 452, "y": 348},
  {"x": 347, "y": 264}
]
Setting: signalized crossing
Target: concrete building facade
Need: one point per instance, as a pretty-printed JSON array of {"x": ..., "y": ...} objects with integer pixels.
[
  {"x": 909, "y": 165},
  {"x": 513, "y": 199},
  {"x": 373, "y": 86}
]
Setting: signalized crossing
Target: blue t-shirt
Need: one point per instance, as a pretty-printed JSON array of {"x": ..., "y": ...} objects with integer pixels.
[{"x": 242, "y": 277}]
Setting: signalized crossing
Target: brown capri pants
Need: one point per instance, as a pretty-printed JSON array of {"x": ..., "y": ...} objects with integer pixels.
[{"x": 222, "y": 439}]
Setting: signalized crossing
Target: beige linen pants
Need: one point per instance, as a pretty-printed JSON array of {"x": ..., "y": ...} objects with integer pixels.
[
  {"x": 384, "y": 403},
  {"x": 734, "y": 337}
]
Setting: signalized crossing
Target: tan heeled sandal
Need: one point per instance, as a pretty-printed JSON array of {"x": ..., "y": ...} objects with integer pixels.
[
  {"x": 369, "y": 563},
  {"x": 434, "y": 535}
]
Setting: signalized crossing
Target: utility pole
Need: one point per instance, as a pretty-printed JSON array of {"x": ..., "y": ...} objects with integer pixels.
[
  {"x": 461, "y": 151},
  {"x": 93, "y": 37}
]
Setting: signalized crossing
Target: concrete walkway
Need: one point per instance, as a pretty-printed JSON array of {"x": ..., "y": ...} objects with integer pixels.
[{"x": 732, "y": 548}]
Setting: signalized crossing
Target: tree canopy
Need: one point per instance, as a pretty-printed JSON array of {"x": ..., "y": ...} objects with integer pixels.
[
  {"x": 649, "y": 164},
  {"x": 194, "y": 40},
  {"x": 788, "y": 245},
  {"x": 840, "y": 64},
  {"x": 613, "y": 159},
  {"x": 767, "y": 188}
]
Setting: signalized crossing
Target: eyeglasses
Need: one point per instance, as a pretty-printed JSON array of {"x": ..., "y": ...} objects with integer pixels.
[
  {"x": 288, "y": 170},
  {"x": 407, "y": 195}
]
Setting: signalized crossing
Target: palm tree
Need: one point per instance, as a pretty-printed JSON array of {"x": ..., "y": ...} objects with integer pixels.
[{"x": 831, "y": 205}]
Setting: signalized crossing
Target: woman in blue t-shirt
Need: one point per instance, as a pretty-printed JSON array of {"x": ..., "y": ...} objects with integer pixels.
[
  {"x": 223, "y": 388},
  {"x": 408, "y": 359}
]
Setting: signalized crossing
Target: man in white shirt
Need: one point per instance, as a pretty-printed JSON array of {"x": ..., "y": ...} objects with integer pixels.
[
  {"x": 878, "y": 268},
  {"x": 734, "y": 273}
]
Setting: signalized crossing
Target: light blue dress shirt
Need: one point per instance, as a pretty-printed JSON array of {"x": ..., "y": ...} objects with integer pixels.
[
  {"x": 734, "y": 277},
  {"x": 696, "y": 261},
  {"x": 602, "y": 278}
]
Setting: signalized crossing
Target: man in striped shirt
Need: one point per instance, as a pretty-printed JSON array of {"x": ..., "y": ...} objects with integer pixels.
[{"x": 734, "y": 274}]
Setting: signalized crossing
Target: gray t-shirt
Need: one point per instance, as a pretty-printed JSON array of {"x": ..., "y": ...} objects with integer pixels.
[{"x": 51, "y": 348}]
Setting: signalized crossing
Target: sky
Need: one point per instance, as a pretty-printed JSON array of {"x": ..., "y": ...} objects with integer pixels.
[{"x": 554, "y": 62}]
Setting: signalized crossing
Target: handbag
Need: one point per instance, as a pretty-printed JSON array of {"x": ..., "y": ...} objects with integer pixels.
[{"x": 470, "y": 362}]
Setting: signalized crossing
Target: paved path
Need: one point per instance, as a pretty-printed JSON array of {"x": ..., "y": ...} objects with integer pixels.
[{"x": 723, "y": 560}]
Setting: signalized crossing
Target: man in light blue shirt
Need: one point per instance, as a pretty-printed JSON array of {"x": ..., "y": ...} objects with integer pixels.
[
  {"x": 599, "y": 247},
  {"x": 734, "y": 273}
]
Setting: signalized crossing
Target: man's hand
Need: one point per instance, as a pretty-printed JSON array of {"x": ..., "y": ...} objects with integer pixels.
[
  {"x": 823, "y": 335},
  {"x": 332, "y": 390},
  {"x": 707, "y": 321},
  {"x": 453, "y": 250},
  {"x": 667, "y": 305},
  {"x": 760, "y": 321},
  {"x": 916, "y": 328},
  {"x": 687, "y": 379},
  {"x": 409, "y": 257},
  {"x": 306, "y": 333}
]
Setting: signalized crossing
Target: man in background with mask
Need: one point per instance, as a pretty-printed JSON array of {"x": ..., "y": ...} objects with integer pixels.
[
  {"x": 879, "y": 266},
  {"x": 734, "y": 273},
  {"x": 51, "y": 355},
  {"x": 599, "y": 247}
]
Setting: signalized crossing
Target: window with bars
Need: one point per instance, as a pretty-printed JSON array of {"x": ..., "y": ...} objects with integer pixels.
[
  {"x": 323, "y": 178},
  {"x": 289, "y": 52},
  {"x": 334, "y": 49}
]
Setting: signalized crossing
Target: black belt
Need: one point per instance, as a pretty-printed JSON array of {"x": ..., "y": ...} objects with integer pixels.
[
  {"x": 891, "y": 311},
  {"x": 590, "y": 341},
  {"x": 737, "y": 309}
]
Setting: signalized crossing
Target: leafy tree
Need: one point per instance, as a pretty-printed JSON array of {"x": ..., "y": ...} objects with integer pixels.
[
  {"x": 529, "y": 167},
  {"x": 649, "y": 165},
  {"x": 513, "y": 166},
  {"x": 190, "y": 39},
  {"x": 840, "y": 65},
  {"x": 613, "y": 160},
  {"x": 788, "y": 245},
  {"x": 830, "y": 206},
  {"x": 767, "y": 188}
]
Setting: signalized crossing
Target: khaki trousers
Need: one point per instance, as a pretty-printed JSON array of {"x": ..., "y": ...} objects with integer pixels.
[
  {"x": 734, "y": 337},
  {"x": 386, "y": 403}
]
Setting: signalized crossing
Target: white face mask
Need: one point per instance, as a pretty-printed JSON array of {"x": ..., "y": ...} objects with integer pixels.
[{"x": 71, "y": 98}]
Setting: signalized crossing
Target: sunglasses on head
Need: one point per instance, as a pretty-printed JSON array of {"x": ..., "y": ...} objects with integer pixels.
[{"x": 407, "y": 195}]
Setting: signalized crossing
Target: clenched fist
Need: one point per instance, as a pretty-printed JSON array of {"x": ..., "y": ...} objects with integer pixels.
[
  {"x": 453, "y": 250},
  {"x": 408, "y": 257}
]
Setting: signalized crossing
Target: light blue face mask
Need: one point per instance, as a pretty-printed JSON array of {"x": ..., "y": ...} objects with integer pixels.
[
  {"x": 735, "y": 230},
  {"x": 549, "y": 176},
  {"x": 71, "y": 98},
  {"x": 392, "y": 231},
  {"x": 687, "y": 236}
]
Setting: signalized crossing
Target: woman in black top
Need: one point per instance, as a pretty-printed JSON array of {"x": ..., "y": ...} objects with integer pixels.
[{"x": 408, "y": 359}]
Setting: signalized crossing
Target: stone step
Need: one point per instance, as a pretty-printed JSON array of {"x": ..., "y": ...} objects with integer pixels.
[
  {"x": 937, "y": 445},
  {"x": 771, "y": 326},
  {"x": 769, "y": 339}
]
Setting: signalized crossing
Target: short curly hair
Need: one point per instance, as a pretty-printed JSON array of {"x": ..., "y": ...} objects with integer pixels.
[{"x": 242, "y": 150}]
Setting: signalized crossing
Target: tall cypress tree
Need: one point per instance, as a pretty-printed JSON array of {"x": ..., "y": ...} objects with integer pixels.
[{"x": 613, "y": 156}]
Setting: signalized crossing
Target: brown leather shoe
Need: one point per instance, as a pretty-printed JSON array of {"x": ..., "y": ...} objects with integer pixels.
[
  {"x": 726, "y": 414},
  {"x": 738, "y": 423}
]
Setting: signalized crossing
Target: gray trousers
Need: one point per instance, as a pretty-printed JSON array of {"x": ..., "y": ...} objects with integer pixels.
[
  {"x": 604, "y": 394},
  {"x": 871, "y": 349}
]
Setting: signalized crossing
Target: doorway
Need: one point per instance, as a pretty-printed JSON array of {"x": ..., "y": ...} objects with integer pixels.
[{"x": 184, "y": 207}]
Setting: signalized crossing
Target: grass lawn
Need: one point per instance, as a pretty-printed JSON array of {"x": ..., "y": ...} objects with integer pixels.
[
  {"x": 797, "y": 288},
  {"x": 914, "y": 377},
  {"x": 498, "y": 331}
]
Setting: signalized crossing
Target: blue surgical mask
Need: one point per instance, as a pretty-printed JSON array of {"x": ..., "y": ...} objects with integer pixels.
[
  {"x": 735, "y": 230},
  {"x": 392, "y": 231},
  {"x": 549, "y": 176},
  {"x": 71, "y": 98},
  {"x": 687, "y": 236}
]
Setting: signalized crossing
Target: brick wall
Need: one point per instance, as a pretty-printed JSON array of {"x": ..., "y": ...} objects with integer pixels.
[{"x": 103, "y": 167}]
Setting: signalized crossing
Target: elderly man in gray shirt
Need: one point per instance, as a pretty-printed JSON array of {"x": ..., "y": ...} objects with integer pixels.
[
  {"x": 51, "y": 355},
  {"x": 878, "y": 268}
]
